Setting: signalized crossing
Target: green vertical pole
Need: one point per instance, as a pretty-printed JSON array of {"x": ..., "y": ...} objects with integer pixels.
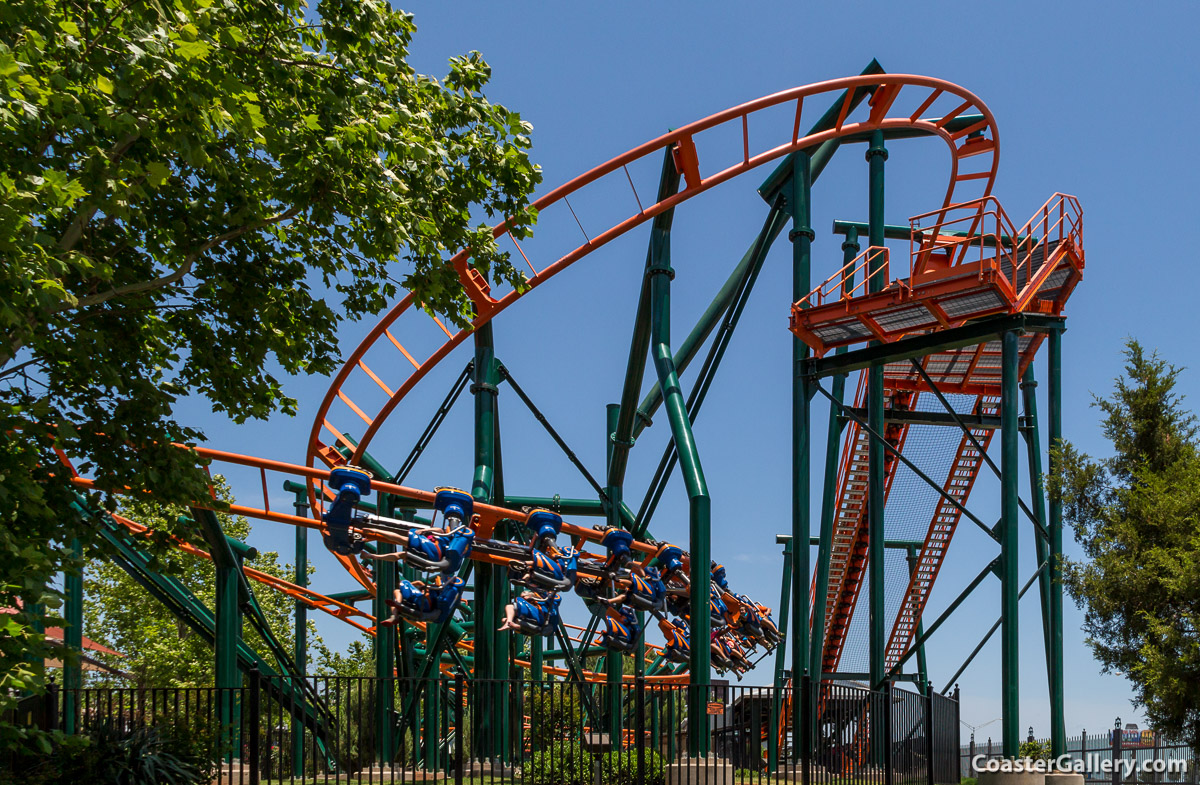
[
  {"x": 801, "y": 236},
  {"x": 1009, "y": 581},
  {"x": 785, "y": 595},
  {"x": 1037, "y": 486},
  {"x": 228, "y": 634},
  {"x": 850, "y": 249},
  {"x": 487, "y": 641},
  {"x": 503, "y": 671},
  {"x": 1058, "y": 732},
  {"x": 73, "y": 639},
  {"x": 699, "y": 509},
  {"x": 300, "y": 653},
  {"x": 385, "y": 646},
  {"x": 922, "y": 665},
  {"x": 876, "y": 156},
  {"x": 614, "y": 668}
]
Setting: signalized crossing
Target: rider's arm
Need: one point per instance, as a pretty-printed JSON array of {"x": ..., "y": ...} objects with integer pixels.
[{"x": 383, "y": 556}]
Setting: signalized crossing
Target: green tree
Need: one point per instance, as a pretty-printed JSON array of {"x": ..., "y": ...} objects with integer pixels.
[
  {"x": 194, "y": 195},
  {"x": 159, "y": 649},
  {"x": 1137, "y": 516}
]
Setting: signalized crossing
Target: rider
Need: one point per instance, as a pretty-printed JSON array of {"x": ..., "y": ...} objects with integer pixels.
[
  {"x": 677, "y": 633},
  {"x": 718, "y": 576},
  {"x": 537, "y": 607},
  {"x": 429, "y": 600},
  {"x": 621, "y": 625}
]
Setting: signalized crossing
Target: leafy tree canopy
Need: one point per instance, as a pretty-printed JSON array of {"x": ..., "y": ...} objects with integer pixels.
[
  {"x": 195, "y": 193},
  {"x": 1137, "y": 516}
]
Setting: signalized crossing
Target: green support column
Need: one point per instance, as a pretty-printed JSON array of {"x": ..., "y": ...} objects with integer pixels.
[
  {"x": 876, "y": 156},
  {"x": 1009, "y": 539},
  {"x": 73, "y": 640},
  {"x": 300, "y": 652},
  {"x": 228, "y": 635},
  {"x": 850, "y": 249},
  {"x": 922, "y": 665},
  {"x": 614, "y": 666},
  {"x": 800, "y": 205},
  {"x": 785, "y": 595},
  {"x": 490, "y": 647},
  {"x": 1033, "y": 454},
  {"x": 385, "y": 647},
  {"x": 699, "y": 510},
  {"x": 1058, "y": 732}
]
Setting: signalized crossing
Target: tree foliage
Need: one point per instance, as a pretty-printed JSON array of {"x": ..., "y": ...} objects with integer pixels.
[
  {"x": 195, "y": 193},
  {"x": 1137, "y": 516}
]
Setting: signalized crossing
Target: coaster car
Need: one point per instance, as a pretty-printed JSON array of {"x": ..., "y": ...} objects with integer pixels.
[
  {"x": 556, "y": 571},
  {"x": 537, "y": 616},
  {"x": 545, "y": 526},
  {"x": 717, "y": 610},
  {"x": 718, "y": 576},
  {"x": 620, "y": 551},
  {"x": 622, "y": 631},
  {"x": 648, "y": 593},
  {"x": 678, "y": 648},
  {"x": 674, "y": 574},
  {"x": 437, "y": 551},
  {"x": 435, "y": 603},
  {"x": 352, "y": 484}
]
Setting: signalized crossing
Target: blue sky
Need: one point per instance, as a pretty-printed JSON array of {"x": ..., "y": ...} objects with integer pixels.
[{"x": 1091, "y": 99}]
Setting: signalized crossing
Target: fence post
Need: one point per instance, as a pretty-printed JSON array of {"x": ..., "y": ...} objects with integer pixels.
[
  {"x": 460, "y": 727},
  {"x": 50, "y": 708},
  {"x": 929, "y": 733},
  {"x": 803, "y": 734},
  {"x": 1157, "y": 774},
  {"x": 1116, "y": 753},
  {"x": 255, "y": 723},
  {"x": 640, "y": 727},
  {"x": 887, "y": 732},
  {"x": 958, "y": 729}
]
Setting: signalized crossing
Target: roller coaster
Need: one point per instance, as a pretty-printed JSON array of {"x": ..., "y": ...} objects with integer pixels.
[{"x": 943, "y": 343}]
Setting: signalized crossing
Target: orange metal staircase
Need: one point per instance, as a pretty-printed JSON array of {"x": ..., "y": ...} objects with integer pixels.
[
  {"x": 969, "y": 263},
  {"x": 963, "y": 472},
  {"x": 848, "y": 556}
]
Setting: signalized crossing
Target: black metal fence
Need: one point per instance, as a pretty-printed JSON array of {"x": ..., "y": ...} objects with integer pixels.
[
  {"x": 465, "y": 730},
  {"x": 1142, "y": 757}
]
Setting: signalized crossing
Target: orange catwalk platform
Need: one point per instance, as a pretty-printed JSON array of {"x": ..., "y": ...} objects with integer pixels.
[{"x": 969, "y": 263}]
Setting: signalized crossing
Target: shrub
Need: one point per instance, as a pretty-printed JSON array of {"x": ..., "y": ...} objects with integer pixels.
[
  {"x": 110, "y": 756},
  {"x": 746, "y": 776},
  {"x": 969, "y": 781},
  {"x": 554, "y": 713},
  {"x": 193, "y": 739},
  {"x": 1037, "y": 750},
  {"x": 621, "y": 768},
  {"x": 559, "y": 763}
]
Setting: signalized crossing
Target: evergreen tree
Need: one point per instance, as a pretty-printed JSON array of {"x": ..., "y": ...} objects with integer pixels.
[{"x": 1137, "y": 516}]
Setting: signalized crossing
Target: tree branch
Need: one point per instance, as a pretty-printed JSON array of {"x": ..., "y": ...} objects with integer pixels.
[
  {"x": 186, "y": 267},
  {"x": 80, "y": 222}
]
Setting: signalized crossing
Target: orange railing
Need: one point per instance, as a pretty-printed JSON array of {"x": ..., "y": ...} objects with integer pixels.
[
  {"x": 975, "y": 231},
  {"x": 1059, "y": 220},
  {"x": 960, "y": 231},
  {"x": 841, "y": 284}
]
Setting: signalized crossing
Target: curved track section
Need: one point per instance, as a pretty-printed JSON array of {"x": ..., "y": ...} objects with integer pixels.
[{"x": 899, "y": 102}]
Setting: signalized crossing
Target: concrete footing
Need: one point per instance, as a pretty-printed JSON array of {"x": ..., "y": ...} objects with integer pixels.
[
  {"x": 1012, "y": 778},
  {"x": 1063, "y": 778}
]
